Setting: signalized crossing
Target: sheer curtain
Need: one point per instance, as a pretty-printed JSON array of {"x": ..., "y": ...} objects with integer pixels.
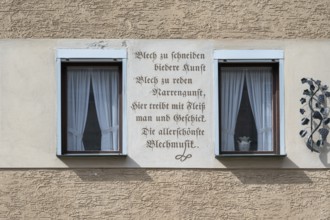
[
  {"x": 232, "y": 81},
  {"x": 105, "y": 88},
  {"x": 259, "y": 85},
  {"x": 78, "y": 98}
]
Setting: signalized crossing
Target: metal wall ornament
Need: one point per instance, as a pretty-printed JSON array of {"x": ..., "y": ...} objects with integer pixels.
[{"x": 316, "y": 114}]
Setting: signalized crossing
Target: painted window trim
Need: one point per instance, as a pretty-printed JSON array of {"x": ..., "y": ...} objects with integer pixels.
[
  {"x": 94, "y": 55},
  {"x": 248, "y": 56}
]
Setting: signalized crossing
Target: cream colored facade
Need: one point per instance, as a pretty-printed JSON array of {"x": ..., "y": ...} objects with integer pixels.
[
  {"x": 30, "y": 97},
  {"x": 151, "y": 184}
]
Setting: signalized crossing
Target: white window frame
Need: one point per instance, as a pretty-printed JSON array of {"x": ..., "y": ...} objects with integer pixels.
[
  {"x": 247, "y": 56},
  {"x": 91, "y": 55}
]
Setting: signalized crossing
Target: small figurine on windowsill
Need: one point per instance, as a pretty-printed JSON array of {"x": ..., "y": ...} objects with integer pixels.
[{"x": 244, "y": 143}]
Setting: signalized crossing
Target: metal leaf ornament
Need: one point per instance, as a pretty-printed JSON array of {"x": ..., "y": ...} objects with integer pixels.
[
  {"x": 324, "y": 133},
  {"x": 324, "y": 111},
  {"x": 319, "y": 143},
  {"x": 302, "y": 100},
  {"x": 324, "y": 88},
  {"x": 303, "y": 80},
  {"x": 326, "y": 121},
  {"x": 317, "y": 113},
  {"x": 303, "y": 133},
  {"x": 307, "y": 92},
  {"x": 321, "y": 98},
  {"x": 304, "y": 121}
]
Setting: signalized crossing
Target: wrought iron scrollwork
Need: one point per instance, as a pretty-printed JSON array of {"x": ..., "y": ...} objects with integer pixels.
[{"x": 315, "y": 100}]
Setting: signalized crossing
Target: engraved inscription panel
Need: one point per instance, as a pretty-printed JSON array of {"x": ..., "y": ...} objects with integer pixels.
[{"x": 169, "y": 104}]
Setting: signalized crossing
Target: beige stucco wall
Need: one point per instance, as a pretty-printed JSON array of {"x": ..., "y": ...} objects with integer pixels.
[
  {"x": 163, "y": 193},
  {"x": 239, "y": 19}
]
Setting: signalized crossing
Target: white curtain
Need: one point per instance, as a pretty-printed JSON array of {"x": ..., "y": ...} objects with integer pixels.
[
  {"x": 105, "y": 88},
  {"x": 232, "y": 81},
  {"x": 259, "y": 85},
  {"x": 78, "y": 98}
]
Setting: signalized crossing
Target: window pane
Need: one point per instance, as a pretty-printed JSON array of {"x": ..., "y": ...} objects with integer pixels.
[
  {"x": 246, "y": 109},
  {"x": 92, "y": 133},
  {"x": 78, "y": 88},
  {"x": 92, "y": 108},
  {"x": 245, "y": 125}
]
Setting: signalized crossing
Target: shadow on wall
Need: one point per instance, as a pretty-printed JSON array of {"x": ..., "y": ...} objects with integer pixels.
[
  {"x": 245, "y": 176},
  {"x": 258, "y": 170},
  {"x": 271, "y": 176},
  {"x": 113, "y": 174},
  {"x": 97, "y": 161},
  {"x": 256, "y": 162},
  {"x": 249, "y": 170},
  {"x": 99, "y": 168}
]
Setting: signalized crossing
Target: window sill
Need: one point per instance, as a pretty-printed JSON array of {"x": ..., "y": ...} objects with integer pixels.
[
  {"x": 250, "y": 155},
  {"x": 94, "y": 155}
]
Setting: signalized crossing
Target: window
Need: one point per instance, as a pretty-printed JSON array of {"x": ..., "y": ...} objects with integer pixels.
[
  {"x": 91, "y": 102},
  {"x": 249, "y": 99}
]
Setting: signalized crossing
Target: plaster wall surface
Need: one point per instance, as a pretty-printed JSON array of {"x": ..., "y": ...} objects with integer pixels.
[
  {"x": 239, "y": 19},
  {"x": 165, "y": 193}
]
